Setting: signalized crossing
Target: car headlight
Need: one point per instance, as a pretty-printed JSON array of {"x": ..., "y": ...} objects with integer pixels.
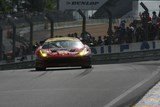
[
  {"x": 83, "y": 52},
  {"x": 43, "y": 53}
]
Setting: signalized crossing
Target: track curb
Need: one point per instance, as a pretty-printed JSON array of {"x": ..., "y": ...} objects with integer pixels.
[{"x": 134, "y": 94}]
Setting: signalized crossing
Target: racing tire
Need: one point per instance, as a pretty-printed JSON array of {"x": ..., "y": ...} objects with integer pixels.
[
  {"x": 40, "y": 69},
  {"x": 86, "y": 66}
]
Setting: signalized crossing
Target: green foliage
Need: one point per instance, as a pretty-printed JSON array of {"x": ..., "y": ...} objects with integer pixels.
[
  {"x": 50, "y": 5},
  {"x": 42, "y": 5},
  {"x": 6, "y": 6}
]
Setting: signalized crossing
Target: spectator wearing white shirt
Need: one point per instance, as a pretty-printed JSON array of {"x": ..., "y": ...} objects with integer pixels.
[{"x": 154, "y": 18}]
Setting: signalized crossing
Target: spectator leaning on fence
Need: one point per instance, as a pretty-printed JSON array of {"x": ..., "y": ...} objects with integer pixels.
[
  {"x": 100, "y": 42},
  {"x": 154, "y": 18},
  {"x": 128, "y": 35},
  {"x": 122, "y": 31},
  {"x": 154, "y": 26}
]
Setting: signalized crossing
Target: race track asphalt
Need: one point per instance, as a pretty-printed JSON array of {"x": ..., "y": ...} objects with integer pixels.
[{"x": 71, "y": 87}]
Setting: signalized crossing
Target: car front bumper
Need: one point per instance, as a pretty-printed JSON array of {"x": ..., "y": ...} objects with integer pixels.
[{"x": 63, "y": 61}]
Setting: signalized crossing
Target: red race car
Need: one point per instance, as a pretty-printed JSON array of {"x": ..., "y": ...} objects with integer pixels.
[{"x": 62, "y": 52}]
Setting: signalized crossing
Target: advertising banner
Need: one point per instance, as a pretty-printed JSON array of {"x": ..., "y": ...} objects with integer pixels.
[
  {"x": 114, "y": 51},
  {"x": 80, "y": 4},
  {"x": 132, "y": 47}
]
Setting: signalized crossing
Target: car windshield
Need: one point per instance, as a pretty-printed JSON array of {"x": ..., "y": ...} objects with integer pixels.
[{"x": 62, "y": 44}]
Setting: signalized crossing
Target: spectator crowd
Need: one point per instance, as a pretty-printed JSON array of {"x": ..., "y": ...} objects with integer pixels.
[{"x": 145, "y": 29}]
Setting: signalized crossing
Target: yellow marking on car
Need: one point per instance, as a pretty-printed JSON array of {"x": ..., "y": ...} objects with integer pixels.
[{"x": 61, "y": 38}]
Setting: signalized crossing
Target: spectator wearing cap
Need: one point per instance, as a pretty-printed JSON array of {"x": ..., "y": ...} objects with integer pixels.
[
  {"x": 75, "y": 35},
  {"x": 154, "y": 18},
  {"x": 116, "y": 35},
  {"x": 145, "y": 18},
  {"x": 132, "y": 28},
  {"x": 128, "y": 35},
  {"x": 99, "y": 42},
  {"x": 158, "y": 35},
  {"x": 140, "y": 34},
  {"x": 94, "y": 41},
  {"x": 158, "y": 26},
  {"x": 122, "y": 31},
  {"x": 154, "y": 28},
  {"x": 105, "y": 40}
]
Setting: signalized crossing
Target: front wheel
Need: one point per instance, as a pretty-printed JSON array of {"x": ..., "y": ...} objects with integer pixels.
[
  {"x": 40, "y": 69},
  {"x": 86, "y": 66}
]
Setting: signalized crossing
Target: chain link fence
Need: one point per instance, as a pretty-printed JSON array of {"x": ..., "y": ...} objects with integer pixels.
[{"x": 23, "y": 42}]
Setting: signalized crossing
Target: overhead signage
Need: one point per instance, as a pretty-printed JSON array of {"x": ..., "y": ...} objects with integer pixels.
[{"x": 80, "y": 4}]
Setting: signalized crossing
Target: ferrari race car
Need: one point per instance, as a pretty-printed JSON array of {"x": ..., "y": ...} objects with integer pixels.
[{"x": 62, "y": 52}]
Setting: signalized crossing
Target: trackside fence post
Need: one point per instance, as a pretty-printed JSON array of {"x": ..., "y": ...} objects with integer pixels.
[
  {"x": 31, "y": 34},
  {"x": 1, "y": 43},
  {"x": 11, "y": 21},
  {"x": 50, "y": 18},
  {"x": 84, "y": 20},
  {"x": 110, "y": 32}
]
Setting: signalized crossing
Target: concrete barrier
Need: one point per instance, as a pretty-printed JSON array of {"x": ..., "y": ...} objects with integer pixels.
[
  {"x": 98, "y": 59},
  {"x": 127, "y": 57},
  {"x": 20, "y": 65}
]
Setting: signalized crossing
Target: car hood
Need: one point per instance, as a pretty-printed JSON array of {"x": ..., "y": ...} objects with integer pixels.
[{"x": 63, "y": 51}]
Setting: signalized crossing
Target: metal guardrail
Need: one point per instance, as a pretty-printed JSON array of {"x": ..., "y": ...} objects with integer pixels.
[
  {"x": 20, "y": 65},
  {"x": 127, "y": 57},
  {"x": 98, "y": 59}
]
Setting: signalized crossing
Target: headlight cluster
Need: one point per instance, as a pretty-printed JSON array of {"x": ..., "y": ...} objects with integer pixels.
[
  {"x": 83, "y": 52},
  {"x": 43, "y": 53}
]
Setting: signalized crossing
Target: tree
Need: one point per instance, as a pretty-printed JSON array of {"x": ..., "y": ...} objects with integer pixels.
[
  {"x": 8, "y": 6},
  {"x": 36, "y": 5},
  {"x": 50, "y": 5},
  {"x": 41, "y": 5},
  {"x": 5, "y": 6}
]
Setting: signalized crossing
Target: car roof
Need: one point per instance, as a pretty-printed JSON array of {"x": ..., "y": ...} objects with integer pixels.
[{"x": 62, "y": 38}]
